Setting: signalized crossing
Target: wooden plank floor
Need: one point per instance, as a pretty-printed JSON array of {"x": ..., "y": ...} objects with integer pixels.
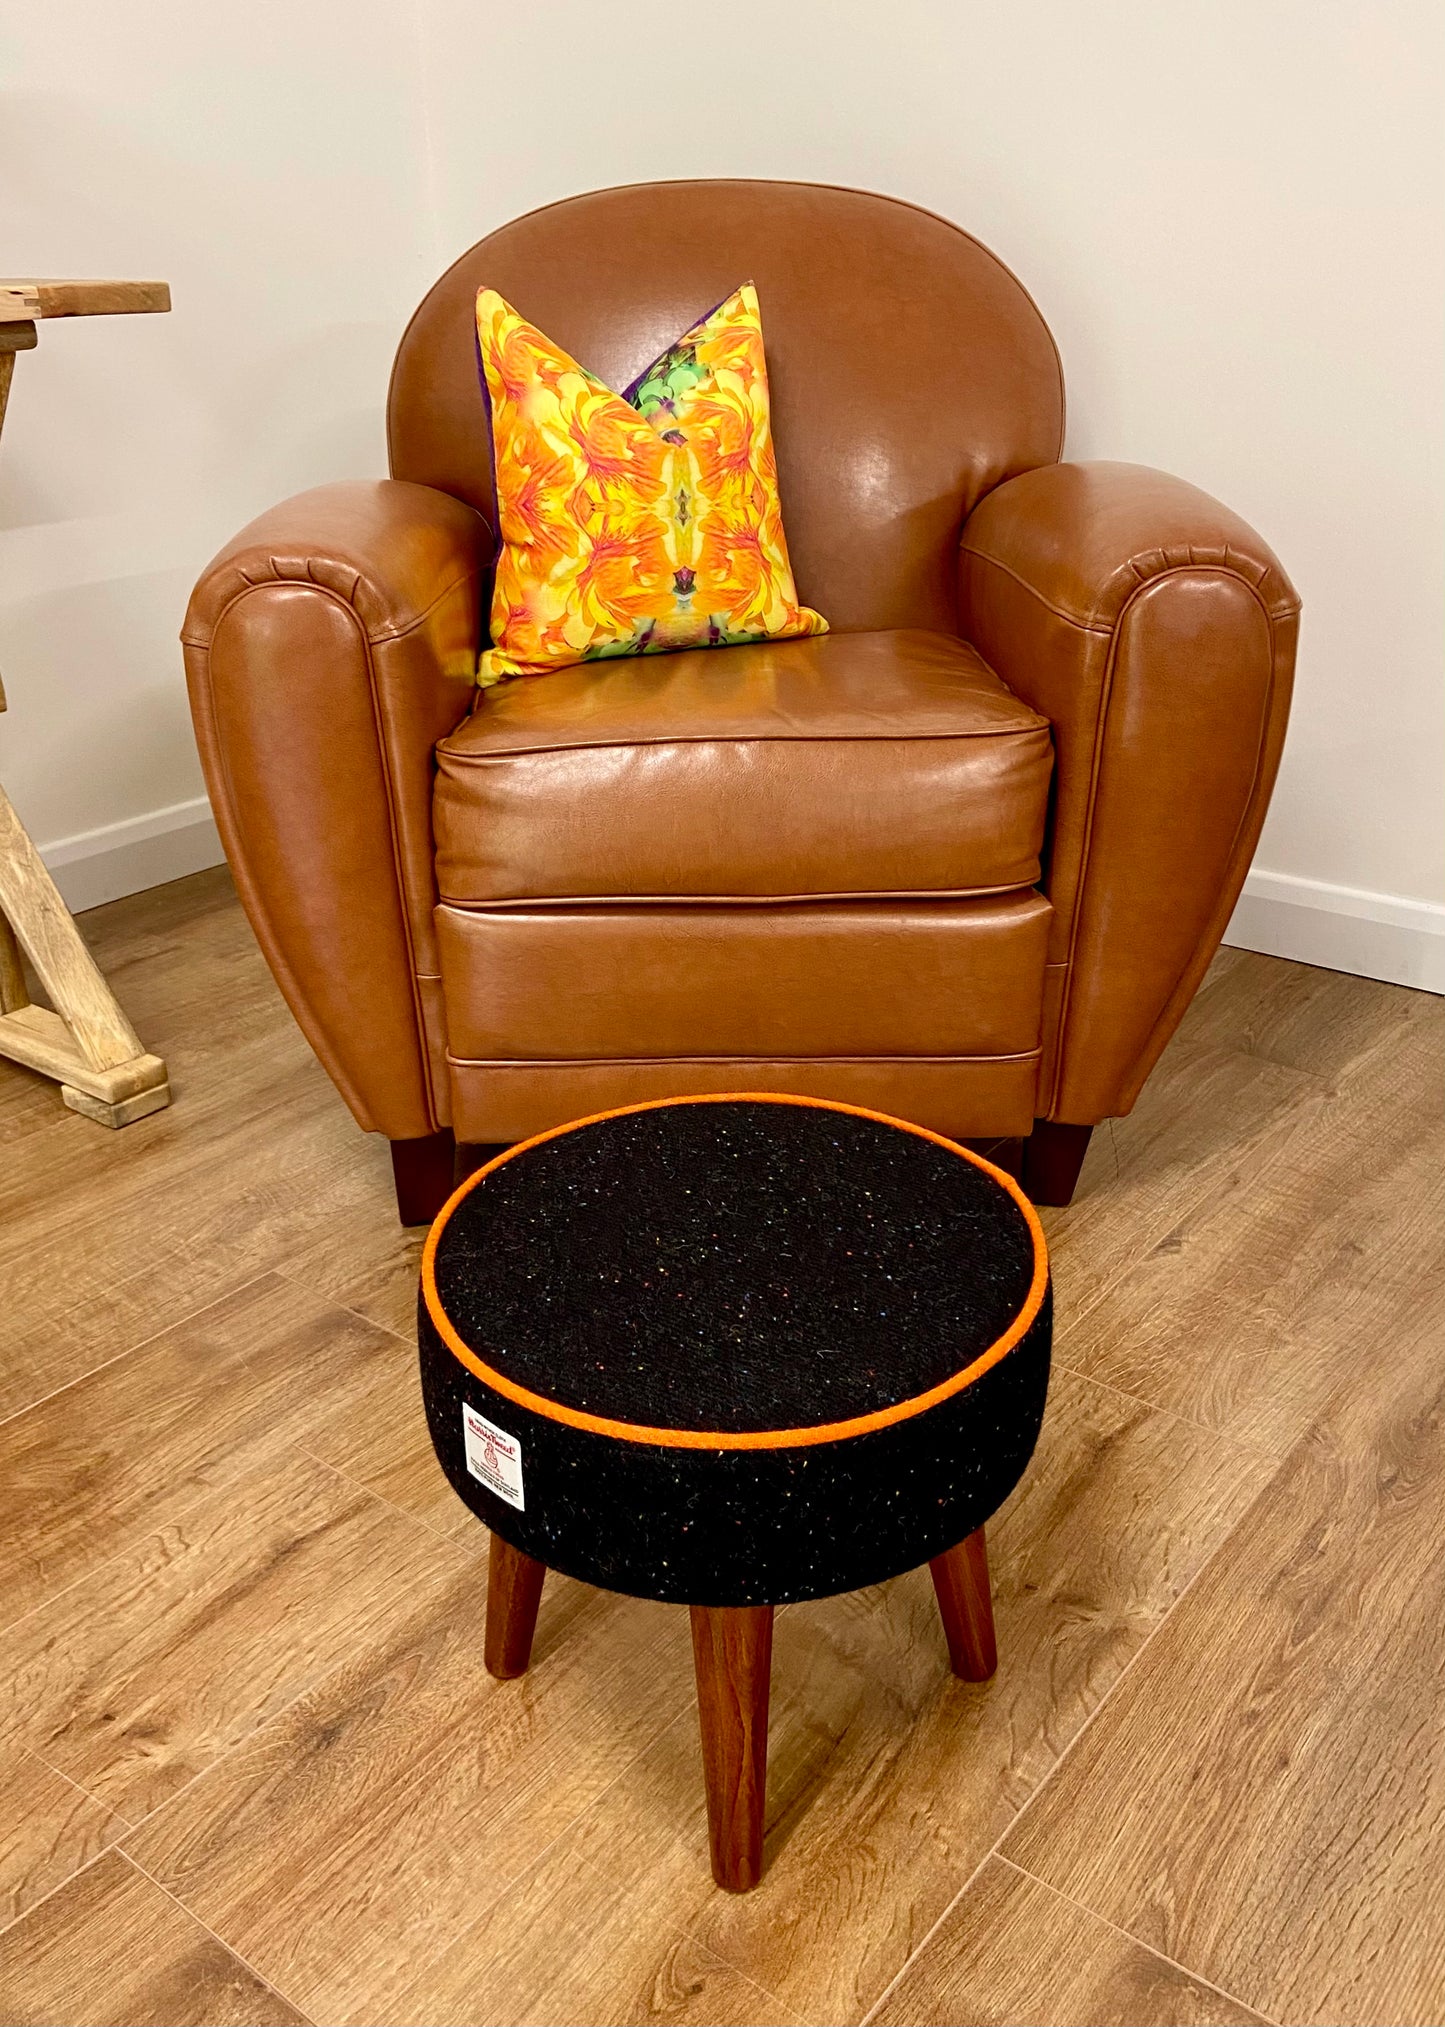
[{"x": 252, "y": 1770}]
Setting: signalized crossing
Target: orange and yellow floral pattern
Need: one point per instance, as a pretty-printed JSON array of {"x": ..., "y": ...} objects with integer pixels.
[{"x": 639, "y": 522}]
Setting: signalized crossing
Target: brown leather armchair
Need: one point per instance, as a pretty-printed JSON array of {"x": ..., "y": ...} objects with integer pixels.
[{"x": 965, "y": 858}]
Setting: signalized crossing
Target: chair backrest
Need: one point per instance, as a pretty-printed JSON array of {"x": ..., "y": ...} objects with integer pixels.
[{"x": 910, "y": 371}]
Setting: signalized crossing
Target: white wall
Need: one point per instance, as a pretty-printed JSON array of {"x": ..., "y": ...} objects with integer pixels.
[
  {"x": 1230, "y": 216},
  {"x": 267, "y": 161}
]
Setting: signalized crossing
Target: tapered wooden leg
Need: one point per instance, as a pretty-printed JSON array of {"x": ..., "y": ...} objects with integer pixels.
[
  {"x": 423, "y": 1173},
  {"x": 1053, "y": 1155},
  {"x": 960, "y": 1579},
  {"x": 82, "y": 1039},
  {"x": 732, "y": 1649},
  {"x": 514, "y": 1591}
]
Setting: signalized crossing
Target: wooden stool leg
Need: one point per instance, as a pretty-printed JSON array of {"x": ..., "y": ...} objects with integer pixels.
[
  {"x": 514, "y": 1591},
  {"x": 960, "y": 1578},
  {"x": 732, "y": 1648}
]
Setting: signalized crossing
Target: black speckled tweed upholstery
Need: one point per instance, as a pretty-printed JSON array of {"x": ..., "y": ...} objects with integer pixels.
[{"x": 721, "y": 1284}]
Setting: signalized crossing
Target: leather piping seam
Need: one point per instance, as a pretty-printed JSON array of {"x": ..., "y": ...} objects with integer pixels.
[
  {"x": 381, "y": 636},
  {"x": 516, "y": 904},
  {"x": 1284, "y": 609},
  {"x": 624, "y": 743},
  {"x": 667, "y": 1062},
  {"x": 1106, "y": 690},
  {"x": 738, "y": 1439},
  {"x": 423, "y": 1041}
]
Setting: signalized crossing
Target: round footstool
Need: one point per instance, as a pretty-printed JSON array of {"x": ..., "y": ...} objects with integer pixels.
[{"x": 731, "y": 1352}]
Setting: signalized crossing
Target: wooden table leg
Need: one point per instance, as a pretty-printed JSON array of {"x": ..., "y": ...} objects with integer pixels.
[
  {"x": 86, "y": 1044},
  {"x": 732, "y": 1647},
  {"x": 960, "y": 1579},
  {"x": 514, "y": 1591},
  {"x": 14, "y": 993}
]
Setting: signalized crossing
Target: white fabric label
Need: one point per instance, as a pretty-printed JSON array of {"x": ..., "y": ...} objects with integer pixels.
[{"x": 493, "y": 1456}]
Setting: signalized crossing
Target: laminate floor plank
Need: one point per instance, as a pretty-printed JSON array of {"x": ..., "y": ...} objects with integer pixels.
[
  {"x": 889, "y": 1780},
  {"x": 1249, "y": 1312},
  {"x": 1264, "y": 1797},
  {"x": 411, "y": 1788},
  {"x": 1011, "y": 1949},
  {"x": 569, "y": 1942},
  {"x": 240, "y": 1603},
  {"x": 111, "y": 1950},
  {"x": 91, "y": 1471},
  {"x": 370, "y": 1264},
  {"x": 256, "y": 1159},
  {"x": 58, "y": 1350},
  {"x": 143, "y": 1673},
  {"x": 175, "y": 1229},
  {"x": 388, "y": 1448},
  {"x": 49, "y": 1829},
  {"x": 1329, "y": 1024},
  {"x": 1207, "y": 1126}
]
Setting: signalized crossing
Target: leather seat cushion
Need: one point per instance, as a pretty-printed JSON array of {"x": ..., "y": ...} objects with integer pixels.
[
  {"x": 847, "y": 765},
  {"x": 846, "y": 979}
]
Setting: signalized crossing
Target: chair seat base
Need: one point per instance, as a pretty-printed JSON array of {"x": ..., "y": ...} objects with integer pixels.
[{"x": 1047, "y": 1161}]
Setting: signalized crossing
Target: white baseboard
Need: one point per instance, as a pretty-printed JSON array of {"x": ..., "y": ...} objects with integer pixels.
[
  {"x": 143, "y": 851},
  {"x": 1342, "y": 929}
]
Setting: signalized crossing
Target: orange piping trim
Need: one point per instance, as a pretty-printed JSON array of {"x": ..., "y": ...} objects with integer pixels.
[{"x": 735, "y": 1439}]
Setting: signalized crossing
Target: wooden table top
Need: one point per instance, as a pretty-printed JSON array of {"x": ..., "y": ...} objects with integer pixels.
[{"x": 23, "y": 302}]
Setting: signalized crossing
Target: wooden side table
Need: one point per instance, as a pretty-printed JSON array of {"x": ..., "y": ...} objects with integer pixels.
[{"x": 87, "y": 1043}]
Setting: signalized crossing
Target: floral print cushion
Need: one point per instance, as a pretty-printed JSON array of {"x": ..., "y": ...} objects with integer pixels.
[{"x": 640, "y": 522}]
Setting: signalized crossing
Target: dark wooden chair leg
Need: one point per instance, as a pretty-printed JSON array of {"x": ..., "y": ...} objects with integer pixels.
[
  {"x": 474, "y": 1154},
  {"x": 514, "y": 1591},
  {"x": 1053, "y": 1155},
  {"x": 732, "y": 1648},
  {"x": 423, "y": 1173},
  {"x": 960, "y": 1579}
]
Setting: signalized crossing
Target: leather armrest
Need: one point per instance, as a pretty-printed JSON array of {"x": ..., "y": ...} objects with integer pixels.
[
  {"x": 1156, "y": 631},
  {"x": 328, "y": 648}
]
